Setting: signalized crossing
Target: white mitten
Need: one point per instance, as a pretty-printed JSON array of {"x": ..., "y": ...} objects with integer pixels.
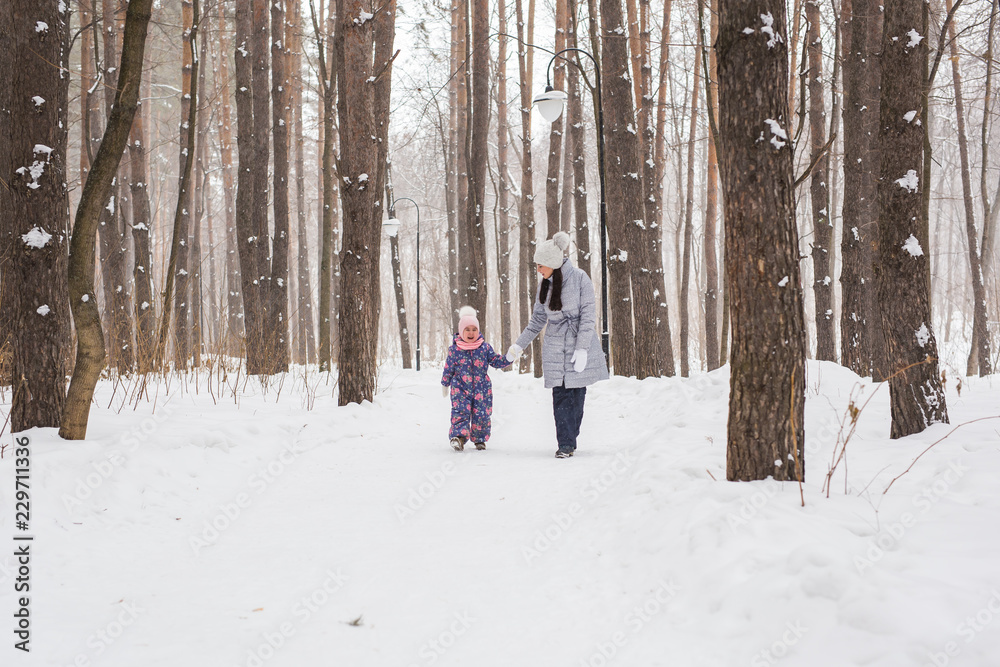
[
  {"x": 513, "y": 353},
  {"x": 445, "y": 390},
  {"x": 579, "y": 360}
]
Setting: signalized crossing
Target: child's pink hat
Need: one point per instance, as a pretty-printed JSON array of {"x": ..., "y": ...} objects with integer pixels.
[{"x": 467, "y": 316}]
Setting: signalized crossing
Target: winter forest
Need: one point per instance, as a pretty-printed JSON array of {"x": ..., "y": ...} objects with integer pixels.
[{"x": 244, "y": 245}]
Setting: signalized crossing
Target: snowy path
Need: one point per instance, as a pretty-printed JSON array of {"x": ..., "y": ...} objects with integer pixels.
[{"x": 215, "y": 535}]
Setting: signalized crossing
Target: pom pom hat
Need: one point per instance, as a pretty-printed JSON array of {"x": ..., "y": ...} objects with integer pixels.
[
  {"x": 551, "y": 253},
  {"x": 467, "y": 316}
]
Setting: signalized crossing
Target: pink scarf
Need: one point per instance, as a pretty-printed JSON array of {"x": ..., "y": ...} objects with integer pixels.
[{"x": 462, "y": 345}]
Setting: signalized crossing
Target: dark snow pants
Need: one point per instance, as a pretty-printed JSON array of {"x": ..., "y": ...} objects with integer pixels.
[{"x": 567, "y": 408}]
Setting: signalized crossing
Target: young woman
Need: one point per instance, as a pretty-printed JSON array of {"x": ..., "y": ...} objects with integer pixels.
[{"x": 572, "y": 357}]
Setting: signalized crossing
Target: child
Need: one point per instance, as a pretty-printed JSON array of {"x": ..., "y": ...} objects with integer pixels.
[{"x": 471, "y": 389}]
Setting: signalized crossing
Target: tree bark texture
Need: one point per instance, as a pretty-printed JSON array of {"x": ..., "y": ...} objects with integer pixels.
[
  {"x": 479, "y": 148},
  {"x": 362, "y": 102},
  {"x": 277, "y": 324},
  {"x": 34, "y": 208},
  {"x": 860, "y": 325},
  {"x": 917, "y": 398},
  {"x": 767, "y": 384},
  {"x": 624, "y": 190}
]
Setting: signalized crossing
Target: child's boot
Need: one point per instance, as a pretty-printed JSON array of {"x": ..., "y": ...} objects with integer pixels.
[
  {"x": 458, "y": 444},
  {"x": 480, "y": 446}
]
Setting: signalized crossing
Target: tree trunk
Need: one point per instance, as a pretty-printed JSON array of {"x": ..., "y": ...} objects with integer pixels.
[
  {"x": 361, "y": 55},
  {"x": 503, "y": 188},
  {"x": 142, "y": 272},
  {"x": 397, "y": 279},
  {"x": 861, "y": 326},
  {"x": 526, "y": 208},
  {"x": 306, "y": 345},
  {"x": 917, "y": 398},
  {"x": 712, "y": 351},
  {"x": 979, "y": 355},
  {"x": 277, "y": 325},
  {"x": 688, "y": 212},
  {"x": 480, "y": 122},
  {"x": 246, "y": 230},
  {"x": 34, "y": 208},
  {"x": 556, "y": 128},
  {"x": 182, "y": 293},
  {"x": 767, "y": 385},
  {"x": 114, "y": 246},
  {"x": 233, "y": 344},
  {"x": 198, "y": 260},
  {"x": 176, "y": 276},
  {"x": 328, "y": 82},
  {"x": 575, "y": 149},
  {"x": 90, "y": 339},
  {"x": 624, "y": 191},
  {"x": 456, "y": 67},
  {"x": 826, "y": 335}
]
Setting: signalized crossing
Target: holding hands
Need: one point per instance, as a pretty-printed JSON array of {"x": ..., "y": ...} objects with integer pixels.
[{"x": 513, "y": 353}]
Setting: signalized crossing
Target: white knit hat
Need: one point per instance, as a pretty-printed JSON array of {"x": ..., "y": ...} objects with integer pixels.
[{"x": 550, "y": 253}]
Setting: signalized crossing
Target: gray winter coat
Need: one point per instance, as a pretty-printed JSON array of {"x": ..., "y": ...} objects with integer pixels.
[{"x": 574, "y": 327}]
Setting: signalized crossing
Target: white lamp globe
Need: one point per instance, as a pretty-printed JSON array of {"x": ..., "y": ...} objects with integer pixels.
[
  {"x": 391, "y": 226},
  {"x": 550, "y": 104}
]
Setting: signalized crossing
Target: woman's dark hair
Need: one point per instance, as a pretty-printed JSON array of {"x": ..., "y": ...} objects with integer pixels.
[{"x": 556, "y": 302}]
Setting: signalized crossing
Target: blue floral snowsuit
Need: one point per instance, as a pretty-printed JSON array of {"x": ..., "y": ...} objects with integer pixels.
[{"x": 471, "y": 389}]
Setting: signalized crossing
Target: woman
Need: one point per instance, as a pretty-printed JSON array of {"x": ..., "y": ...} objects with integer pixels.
[{"x": 572, "y": 357}]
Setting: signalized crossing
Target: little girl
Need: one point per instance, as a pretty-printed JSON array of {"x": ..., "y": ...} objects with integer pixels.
[{"x": 471, "y": 389}]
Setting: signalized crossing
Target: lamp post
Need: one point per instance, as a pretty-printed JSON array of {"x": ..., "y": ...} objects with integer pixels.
[
  {"x": 550, "y": 105},
  {"x": 391, "y": 227}
]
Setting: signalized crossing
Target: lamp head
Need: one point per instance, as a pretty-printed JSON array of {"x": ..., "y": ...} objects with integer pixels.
[
  {"x": 550, "y": 103},
  {"x": 391, "y": 226}
]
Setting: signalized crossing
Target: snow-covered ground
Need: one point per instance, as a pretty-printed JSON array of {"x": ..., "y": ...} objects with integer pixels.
[{"x": 273, "y": 528}]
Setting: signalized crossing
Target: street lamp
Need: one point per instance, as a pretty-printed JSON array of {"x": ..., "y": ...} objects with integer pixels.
[
  {"x": 550, "y": 106},
  {"x": 391, "y": 227}
]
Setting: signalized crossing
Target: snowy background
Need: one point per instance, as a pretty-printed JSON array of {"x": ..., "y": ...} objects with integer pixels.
[{"x": 225, "y": 523}]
